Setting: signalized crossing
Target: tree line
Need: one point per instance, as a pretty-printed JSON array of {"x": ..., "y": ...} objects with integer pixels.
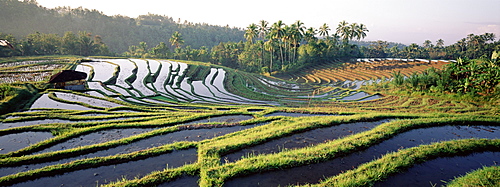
[
  {"x": 472, "y": 46},
  {"x": 82, "y": 44},
  {"x": 261, "y": 47},
  {"x": 22, "y": 18},
  {"x": 280, "y": 47}
]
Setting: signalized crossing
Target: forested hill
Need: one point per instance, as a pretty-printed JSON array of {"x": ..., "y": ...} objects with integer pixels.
[{"x": 118, "y": 32}]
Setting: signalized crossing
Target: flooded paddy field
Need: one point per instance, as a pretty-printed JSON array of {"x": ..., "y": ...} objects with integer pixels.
[
  {"x": 159, "y": 122},
  {"x": 129, "y": 170},
  {"x": 313, "y": 173}
]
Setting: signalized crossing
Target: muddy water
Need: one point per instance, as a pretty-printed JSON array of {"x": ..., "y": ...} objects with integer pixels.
[
  {"x": 185, "y": 181},
  {"x": 115, "y": 134},
  {"x": 96, "y": 138},
  {"x": 255, "y": 110},
  {"x": 186, "y": 135},
  {"x": 105, "y": 174},
  {"x": 291, "y": 114},
  {"x": 312, "y": 173},
  {"x": 438, "y": 171},
  {"x": 373, "y": 97},
  {"x": 48, "y": 121},
  {"x": 300, "y": 140},
  {"x": 14, "y": 142},
  {"x": 223, "y": 119},
  {"x": 355, "y": 96}
]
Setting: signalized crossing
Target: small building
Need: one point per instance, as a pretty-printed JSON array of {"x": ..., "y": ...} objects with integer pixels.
[{"x": 69, "y": 80}]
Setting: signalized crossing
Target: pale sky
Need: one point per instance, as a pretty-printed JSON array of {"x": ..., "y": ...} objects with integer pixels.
[{"x": 404, "y": 21}]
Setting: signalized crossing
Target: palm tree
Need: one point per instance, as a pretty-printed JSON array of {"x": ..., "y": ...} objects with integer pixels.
[
  {"x": 354, "y": 31},
  {"x": 278, "y": 32},
  {"x": 309, "y": 35},
  {"x": 251, "y": 32},
  {"x": 427, "y": 44},
  {"x": 269, "y": 46},
  {"x": 299, "y": 25},
  {"x": 297, "y": 33},
  {"x": 323, "y": 30},
  {"x": 263, "y": 30},
  {"x": 440, "y": 43},
  {"x": 361, "y": 31},
  {"x": 344, "y": 31},
  {"x": 176, "y": 39}
]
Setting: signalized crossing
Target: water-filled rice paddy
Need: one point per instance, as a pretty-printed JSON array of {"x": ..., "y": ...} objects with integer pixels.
[{"x": 172, "y": 123}]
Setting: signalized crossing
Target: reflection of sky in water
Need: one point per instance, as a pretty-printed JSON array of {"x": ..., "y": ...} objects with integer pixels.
[
  {"x": 14, "y": 142},
  {"x": 45, "y": 102}
]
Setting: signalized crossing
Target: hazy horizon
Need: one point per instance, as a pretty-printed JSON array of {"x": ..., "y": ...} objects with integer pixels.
[{"x": 401, "y": 21}]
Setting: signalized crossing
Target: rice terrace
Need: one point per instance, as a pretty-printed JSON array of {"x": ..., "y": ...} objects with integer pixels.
[{"x": 283, "y": 106}]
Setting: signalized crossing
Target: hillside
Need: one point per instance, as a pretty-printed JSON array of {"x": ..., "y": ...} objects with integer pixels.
[
  {"x": 118, "y": 32},
  {"x": 148, "y": 122}
]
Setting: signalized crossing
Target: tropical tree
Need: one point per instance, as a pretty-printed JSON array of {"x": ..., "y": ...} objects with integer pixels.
[
  {"x": 427, "y": 44},
  {"x": 160, "y": 51},
  {"x": 354, "y": 31},
  {"x": 297, "y": 34},
  {"x": 344, "y": 31},
  {"x": 86, "y": 44},
  {"x": 69, "y": 43},
  {"x": 263, "y": 30},
  {"x": 323, "y": 30},
  {"x": 6, "y": 51},
  {"x": 251, "y": 32},
  {"x": 440, "y": 43},
  {"x": 361, "y": 31},
  {"x": 269, "y": 46},
  {"x": 309, "y": 34},
  {"x": 176, "y": 39},
  {"x": 277, "y": 32}
]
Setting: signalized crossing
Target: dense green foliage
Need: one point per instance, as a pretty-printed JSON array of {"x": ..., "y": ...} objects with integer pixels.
[
  {"x": 464, "y": 77},
  {"x": 473, "y": 46},
  {"x": 13, "y": 98},
  {"x": 83, "y": 44},
  {"x": 277, "y": 47},
  {"x": 282, "y": 47},
  {"x": 22, "y": 18}
]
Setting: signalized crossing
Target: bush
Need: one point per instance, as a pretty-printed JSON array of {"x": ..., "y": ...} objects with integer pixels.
[
  {"x": 5, "y": 91},
  {"x": 17, "y": 98}
]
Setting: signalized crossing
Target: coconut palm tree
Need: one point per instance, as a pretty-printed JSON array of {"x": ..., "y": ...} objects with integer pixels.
[
  {"x": 344, "y": 31},
  {"x": 361, "y": 31},
  {"x": 323, "y": 30},
  {"x": 309, "y": 34},
  {"x": 176, "y": 39},
  {"x": 440, "y": 43},
  {"x": 269, "y": 46},
  {"x": 278, "y": 32},
  {"x": 297, "y": 34},
  {"x": 427, "y": 44},
  {"x": 251, "y": 32},
  {"x": 263, "y": 30},
  {"x": 354, "y": 31}
]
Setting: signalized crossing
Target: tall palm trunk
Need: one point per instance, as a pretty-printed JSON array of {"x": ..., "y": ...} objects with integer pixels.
[{"x": 281, "y": 54}]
